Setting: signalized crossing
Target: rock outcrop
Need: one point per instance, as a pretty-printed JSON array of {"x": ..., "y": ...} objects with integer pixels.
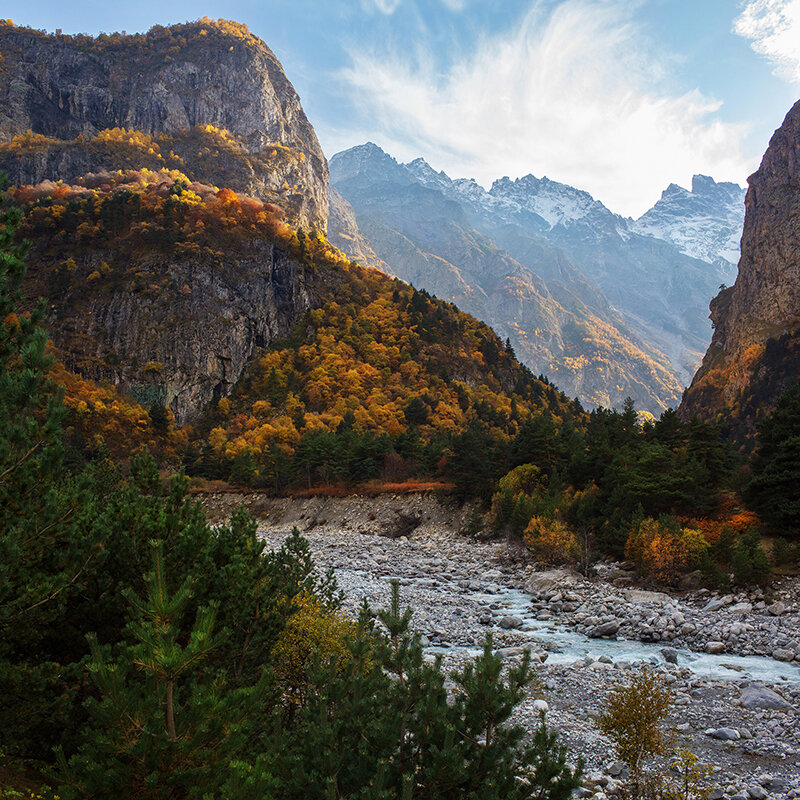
[
  {"x": 185, "y": 340},
  {"x": 214, "y": 76},
  {"x": 173, "y": 325},
  {"x": 755, "y": 351}
]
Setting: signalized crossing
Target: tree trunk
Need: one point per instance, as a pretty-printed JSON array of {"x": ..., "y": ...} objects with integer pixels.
[{"x": 170, "y": 712}]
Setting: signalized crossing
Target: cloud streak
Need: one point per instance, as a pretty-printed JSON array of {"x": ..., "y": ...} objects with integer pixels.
[
  {"x": 773, "y": 27},
  {"x": 571, "y": 92}
]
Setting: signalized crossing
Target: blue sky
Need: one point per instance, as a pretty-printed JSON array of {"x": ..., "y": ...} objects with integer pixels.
[{"x": 618, "y": 97}]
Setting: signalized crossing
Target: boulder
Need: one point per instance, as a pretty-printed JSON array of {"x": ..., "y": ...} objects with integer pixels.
[
  {"x": 714, "y": 648},
  {"x": 759, "y": 697},
  {"x": 605, "y": 629},
  {"x": 550, "y": 579},
  {"x": 716, "y": 603},
  {"x": 724, "y": 734},
  {"x": 509, "y": 622},
  {"x": 670, "y": 655},
  {"x": 777, "y": 609}
]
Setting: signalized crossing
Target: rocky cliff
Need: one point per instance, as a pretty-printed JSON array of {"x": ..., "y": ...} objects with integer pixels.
[
  {"x": 207, "y": 98},
  {"x": 158, "y": 281},
  {"x": 755, "y": 351}
]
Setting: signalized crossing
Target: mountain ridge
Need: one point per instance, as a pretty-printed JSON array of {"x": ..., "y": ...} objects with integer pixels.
[
  {"x": 754, "y": 354},
  {"x": 524, "y": 218}
]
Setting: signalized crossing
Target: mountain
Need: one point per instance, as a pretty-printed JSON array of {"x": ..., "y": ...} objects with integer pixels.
[
  {"x": 606, "y": 311},
  {"x": 207, "y": 98},
  {"x": 704, "y": 223},
  {"x": 231, "y": 309},
  {"x": 660, "y": 293},
  {"x": 754, "y": 355}
]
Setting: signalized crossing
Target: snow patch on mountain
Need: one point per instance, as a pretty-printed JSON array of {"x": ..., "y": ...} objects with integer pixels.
[{"x": 704, "y": 222}]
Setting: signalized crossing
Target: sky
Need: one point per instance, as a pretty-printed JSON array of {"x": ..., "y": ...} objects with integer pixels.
[{"x": 616, "y": 97}]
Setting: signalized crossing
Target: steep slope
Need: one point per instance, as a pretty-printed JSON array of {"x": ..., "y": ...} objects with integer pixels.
[
  {"x": 171, "y": 289},
  {"x": 704, "y": 223},
  {"x": 207, "y": 98},
  {"x": 755, "y": 353},
  {"x": 420, "y": 224},
  {"x": 660, "y": 293},
  {"x": 159, "y": 285}
]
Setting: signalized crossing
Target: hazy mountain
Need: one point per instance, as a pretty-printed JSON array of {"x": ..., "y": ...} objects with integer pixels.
[
  {"x": 650, "y": 280},
  {"x": 431, "y": 232}
]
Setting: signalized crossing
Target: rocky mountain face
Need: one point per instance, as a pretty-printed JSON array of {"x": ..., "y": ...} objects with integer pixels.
[
  {"x": 604, "y": 310},
  {"x": 210, "y": 75},
  {"x": 185, "y": 342},
  {"x": 704, "y": 223},
  {"x": 755, "y": 352},
  {"x": 201, "y": 101}
]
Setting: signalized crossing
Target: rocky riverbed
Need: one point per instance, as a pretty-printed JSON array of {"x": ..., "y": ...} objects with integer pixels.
[{"x": 735, "y": 710}]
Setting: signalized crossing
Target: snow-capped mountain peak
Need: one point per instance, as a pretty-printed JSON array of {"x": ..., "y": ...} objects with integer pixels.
[{"x": 704, "y": 222}]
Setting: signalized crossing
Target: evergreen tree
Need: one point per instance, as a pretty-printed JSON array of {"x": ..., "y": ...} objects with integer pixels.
[
  {"x": 773, "y": 490},
  {"x": 164, "y": 726},
  {"x": 42, "y": 552},
  {"x": 423, "y": 743}
]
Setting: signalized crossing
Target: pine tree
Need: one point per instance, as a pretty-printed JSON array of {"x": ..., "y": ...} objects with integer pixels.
[
  {"x": 42, "y": 554},
  {"x": 386, "y": 727},
  {"x": 165, "y": 726},
  {"x": 776, "y": 467}
]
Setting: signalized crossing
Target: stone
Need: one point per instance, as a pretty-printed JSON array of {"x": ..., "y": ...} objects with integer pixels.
[
  {"x": 691, "y": 581},
  {"x": 777, "y": 609},
  {"x": 716, "y": 603},
  {"x": 724, "y": 734},
  {"x": 550, "y": 579},
  {"x": 509, "y": 622},
  {"x": 670, "y": 655},
  {"x": 757, "y": 792},
  {"x": 716, "y": 794},
  {"x": 616, "y": 768},
  {"x": 715, "y": 648},
  {"x": 541, "y": 706},
  {"x": 759, "y": 697},
  {"x": 605, "y": 629},
  {"x": 780, "y": 654}
]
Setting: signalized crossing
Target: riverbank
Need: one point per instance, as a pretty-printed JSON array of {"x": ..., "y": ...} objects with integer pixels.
[{"x": 738, "y": 714}]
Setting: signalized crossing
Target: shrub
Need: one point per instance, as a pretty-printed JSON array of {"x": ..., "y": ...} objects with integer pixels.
[
  {"x": 313, "y": 631},
  {"x": 664, "y": 550},
  {"x": 750, "y": 562},
  {"x": 551, "y": 541},
  {"x": 633, "y": 719},
  {"x": 783, "y": 552}
]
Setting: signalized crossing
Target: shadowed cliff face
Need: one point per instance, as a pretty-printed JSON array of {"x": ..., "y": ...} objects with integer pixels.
[
  {"x": 184, "y": 336},
  {"x": 757, "y": 321},
  {"x": 165, "y": 84}
]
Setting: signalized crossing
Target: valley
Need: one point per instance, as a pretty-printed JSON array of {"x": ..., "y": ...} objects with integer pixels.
[
  {"x": 248, "y": 395},
  {"x": 460, "y": 590}
]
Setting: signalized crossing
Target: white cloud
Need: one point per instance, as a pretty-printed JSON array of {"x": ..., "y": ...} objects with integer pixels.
[
  {"x": 571, "y": 92},
  {"x": 384, "y": 6},
  {"x": 773, "y": 26}
]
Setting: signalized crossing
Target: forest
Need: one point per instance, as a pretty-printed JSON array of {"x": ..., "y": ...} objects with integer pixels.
[{"x": 145, "y": 653}]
